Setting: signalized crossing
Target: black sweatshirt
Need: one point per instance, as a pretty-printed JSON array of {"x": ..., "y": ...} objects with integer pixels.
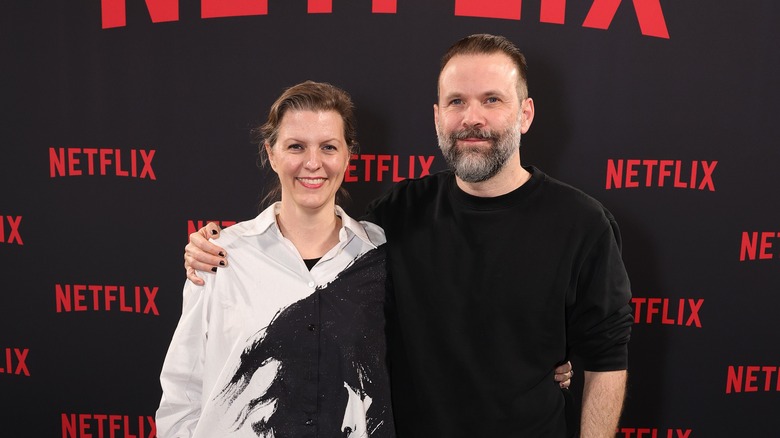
[{"x": 490, "y": 294}]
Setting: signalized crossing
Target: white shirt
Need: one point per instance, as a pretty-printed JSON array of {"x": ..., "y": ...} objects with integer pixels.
[{"x": 233, "y": 312}]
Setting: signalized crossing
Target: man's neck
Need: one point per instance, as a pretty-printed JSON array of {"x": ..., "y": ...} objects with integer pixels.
[{"x": 509, "y": 178}]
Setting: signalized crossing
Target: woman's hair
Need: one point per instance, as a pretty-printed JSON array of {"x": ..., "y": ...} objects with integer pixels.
[{"x": 306, "y": 96}]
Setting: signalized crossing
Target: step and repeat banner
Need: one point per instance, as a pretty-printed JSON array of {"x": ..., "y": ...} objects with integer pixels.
[{"x": 125, "y": 126}]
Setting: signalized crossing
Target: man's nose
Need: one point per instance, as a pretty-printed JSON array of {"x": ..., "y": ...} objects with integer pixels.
[{"x": 473, "y": 116}]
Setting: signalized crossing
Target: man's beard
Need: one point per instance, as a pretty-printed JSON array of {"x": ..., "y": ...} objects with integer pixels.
[{"x": 477, "y": 164}]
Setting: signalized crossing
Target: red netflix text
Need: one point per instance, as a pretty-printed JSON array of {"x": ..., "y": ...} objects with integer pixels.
[
  {"x": 9, "y": 230},
  {"x": 135, "y": 163},
  {"x": 96, "y": 297},
  {"x": 386, "y": 167},
  {"x": 757, "y": 245},
  {"x": 660, "y": 173},
  {"x": 602, "y": 12},
  {"x": 648, "y": 432},
  {"x": 753, "y": 378},
  {"x": 14, "y": 361},
  {"x": 107, "y": 426},
  {"x": 682, "y": 311},
  {"x": 193, "y": 226}
]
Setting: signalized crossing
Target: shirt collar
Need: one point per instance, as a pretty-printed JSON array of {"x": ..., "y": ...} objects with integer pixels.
[{"x": 263, "y": 222}]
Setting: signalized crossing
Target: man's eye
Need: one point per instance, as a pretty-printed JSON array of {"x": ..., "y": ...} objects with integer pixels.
[
  {"x": 491, "y": 100},
  {"x": 456, "y": 102}
]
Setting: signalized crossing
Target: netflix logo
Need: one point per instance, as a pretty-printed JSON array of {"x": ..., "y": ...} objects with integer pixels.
[
  {"x": 600, "y": 15},
  {"x": 107, "y": 426},
  {"x": 193, "y": 226},
  {"x": 667, "y": 311},
  {"x": 106, "y": 298},
  {"x": 135, "y": 163},
  {"x": 755, "y": 378},
  {"x": 648, "y": 432},
  {"x": 696, "y": 175},
  {"x": 15, "y": 361},
  {"x": 9, "y": 230},
  {"x": 757, "y": 245},
  {"x": 386, "y": 167}
]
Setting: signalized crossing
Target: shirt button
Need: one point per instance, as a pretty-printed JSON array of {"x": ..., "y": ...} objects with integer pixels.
[
  {"x": 309, "y": 422},
  {"x": 312, "y": 327},
  {"x": 311, "y": 284}
]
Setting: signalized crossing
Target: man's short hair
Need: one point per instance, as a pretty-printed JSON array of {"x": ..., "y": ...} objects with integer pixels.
[{"x": 486, "y": 44}]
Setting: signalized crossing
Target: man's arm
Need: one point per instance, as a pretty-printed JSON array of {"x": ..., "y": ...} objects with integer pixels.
[
  {"x": 202, "y": 255},
  {"x": 602, "y": 402}
]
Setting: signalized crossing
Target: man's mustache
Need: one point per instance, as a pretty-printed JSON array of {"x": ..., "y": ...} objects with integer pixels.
[{"x": 482, "y": 134}]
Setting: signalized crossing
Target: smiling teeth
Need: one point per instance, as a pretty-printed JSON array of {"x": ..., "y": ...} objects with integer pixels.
[{"x": 312, "y": 180}]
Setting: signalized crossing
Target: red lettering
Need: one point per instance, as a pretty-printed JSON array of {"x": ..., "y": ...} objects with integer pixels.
[
  {"x": 320, "y": 6},
  {"x": 68, "y": 425},
  {"x": 150, "y": 305},
  {"x": 751, "y": 378},
  {"x": 630, "y": 173},
  {"x": 232, "y": 8},
  {"x": 663, "y": 172},
  {"x": 765, "y": 245},
  {"x": 381, "y": 167},
  {"x": 768, "y": 371},
  {"x": 348, "y": 176},
  {"x": 614, "y": 174},
  {"x": 677, "y": 182},
  {"x": 73, "y": 161},
  {"x": 119, "y": 171},
  {"x": 734, "y": 379},
  {"x": 91, "y": 159},
  {"x": 652, "y": 308},
  {"x": 749, "y": 246},
  {"x": 425, "y": 164},
  {"x": 649, "y": 164},
  {"x": 114, "y": 13},
  {"x": 13, "y": 234},
  {"x": 694, "y": 170},
  {"x": 147, "y": 170},
  {"x": 78, "y": 297},
  {"x": 100, "y": 419},
  {"x": 397, "y": 177},
  {"x": 62, "y": 298},
  {"x": 664, "y": 313},
  {"x": 384, "y": 6},
  {"x": 707, "y": 178},
  {"x": 648, "y": 12},
  {"x": 693, "y": 319},
  {"x": 506, "y": 9},
  {"x": 56, "y": 162},
  {"x": 105, "y": 160}
]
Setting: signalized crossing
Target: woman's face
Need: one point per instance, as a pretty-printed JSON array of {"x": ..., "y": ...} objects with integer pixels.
[{"x": 310, "y": 157}]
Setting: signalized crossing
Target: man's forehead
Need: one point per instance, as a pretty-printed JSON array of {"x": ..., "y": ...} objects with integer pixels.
[{"x": 495, "y": 70}]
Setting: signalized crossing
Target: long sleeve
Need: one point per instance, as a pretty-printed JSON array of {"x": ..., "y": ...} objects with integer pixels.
[{"x": 182, "y": 373}]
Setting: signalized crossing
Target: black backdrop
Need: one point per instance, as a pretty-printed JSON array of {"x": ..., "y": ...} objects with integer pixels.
[{"x": 92, "y": 259}]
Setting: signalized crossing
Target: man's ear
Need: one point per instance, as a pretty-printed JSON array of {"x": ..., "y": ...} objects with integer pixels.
[{"x": 527, "y": 115}]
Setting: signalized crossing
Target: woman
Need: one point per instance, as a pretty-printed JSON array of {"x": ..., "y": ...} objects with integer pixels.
[{"x": 288, "y": 342}]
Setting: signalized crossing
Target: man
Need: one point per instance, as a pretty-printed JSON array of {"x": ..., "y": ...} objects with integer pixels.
[{"x": 499, "y": 272}]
